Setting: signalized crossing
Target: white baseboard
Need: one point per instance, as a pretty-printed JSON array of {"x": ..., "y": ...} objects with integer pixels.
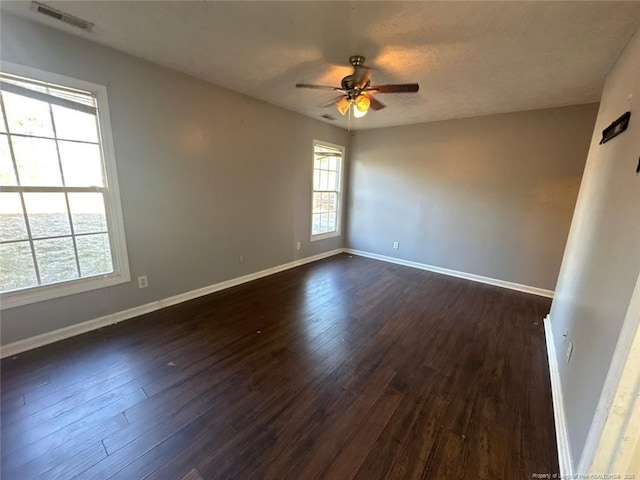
[
  {"x": 454, "y": 273},
  {"x": 77, "y": 329},
  {"x": 562, "y": 435}
]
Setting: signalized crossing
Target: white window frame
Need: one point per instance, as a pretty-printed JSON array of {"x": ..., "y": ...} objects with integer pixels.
[
  {"x": 115, "y": 224},
  {"x": 337, "y": 232}
]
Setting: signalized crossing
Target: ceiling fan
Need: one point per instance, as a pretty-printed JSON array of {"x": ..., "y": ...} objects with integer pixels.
[{"x": 356, "y": 91}]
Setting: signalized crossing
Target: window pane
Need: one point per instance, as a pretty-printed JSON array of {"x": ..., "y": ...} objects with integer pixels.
[
  {"x": 333, "y": 164},
  {"x": 324, "y": 220},
  {"x": 47, "y": 213},
  {"x": 317, "y": 202},
  {"x": 87, "y": 213},
  {"x": 56, "y": 259},
  {"x": 316, "y": 179},
  {"x": 332, "y": 222},
  {"x": 324, "y": 163},
  {"x": 12, "y": 225},
  {"x": 324, "y": 180},
  {"x": 94, "y": 254},
  {"x": 27, "y": 116},
  {"x": 7, "y": 173},
  {"x": 37, "y": 161},
  {"x": 16, "y": 266},
  {"x": 81, "y": 164},
  {"x": 332, "y": 201},
  {"x": 315, "y": 228},
  {"x": 332, "y": 181},
  {"x": 74, "y": 125},
  {"x": 3, "y": 126},
  {"x": 325, "y": 202}
]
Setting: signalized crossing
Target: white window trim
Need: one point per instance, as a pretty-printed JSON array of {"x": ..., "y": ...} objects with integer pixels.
[
  {"x": 120, "y": 258},
  {"x": 337, "y": 233}
]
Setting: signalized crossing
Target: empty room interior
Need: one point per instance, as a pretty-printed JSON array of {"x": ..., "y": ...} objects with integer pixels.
[{"x": 319, "y": 240}]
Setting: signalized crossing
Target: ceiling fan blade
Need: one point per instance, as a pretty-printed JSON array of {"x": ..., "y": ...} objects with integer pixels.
[
  {"x": 318, "y": 87},
  {"x": 374, "y": 103},
  {"x": 400, "y": 88},
  {"x": 331, "y": 102}
]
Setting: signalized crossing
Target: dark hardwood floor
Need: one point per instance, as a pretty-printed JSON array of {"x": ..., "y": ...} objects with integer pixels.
[{"x": 347, "y": 368}]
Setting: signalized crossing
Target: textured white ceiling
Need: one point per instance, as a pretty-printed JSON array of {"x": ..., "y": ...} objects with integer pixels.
[{"x": 470, "y": 58}]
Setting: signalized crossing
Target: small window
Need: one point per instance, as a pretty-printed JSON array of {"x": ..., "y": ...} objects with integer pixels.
[
  {"x": 327, "y": 181},
  {"x": 61, "y": 228}
]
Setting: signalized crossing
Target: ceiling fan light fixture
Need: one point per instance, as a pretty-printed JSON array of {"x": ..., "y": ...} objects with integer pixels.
[
  {"x": 362, "y": 103},
  {"x": 343, "y": 105},
  {"x": 357, "y": 112}
]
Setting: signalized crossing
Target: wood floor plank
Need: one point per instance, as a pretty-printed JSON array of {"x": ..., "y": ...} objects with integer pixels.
[
  {"x": 155, "y": 457},
  {"x": 47, "y": 453},
  {"x": 77, "y": 393},
  {"x": 313, "y": 452},
  {"x": 46, "y": 423},
  {"x": 191, "y": 475},
  {"x": 344, "y": 368},
  {"x": 148, "y": 433},
  {"x": 180, "y": 463},
  {"x": 73, "y": 465},
  {"x": 388, "y": 447},
  {"x": 22, "y": 444},
  {"x": 418, "y": 441},
  {"x": 448, "y": 458},
  {"x": 347, "y": 461},
  {"x": 20, "y": 387}
]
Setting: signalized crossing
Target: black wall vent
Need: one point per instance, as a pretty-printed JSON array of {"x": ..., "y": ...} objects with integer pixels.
[{"x": 59, "y": 15}]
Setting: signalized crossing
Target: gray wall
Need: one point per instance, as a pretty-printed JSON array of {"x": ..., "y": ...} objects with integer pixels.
[
  {"x": 205, "y": 175},
  {"x": 491, "y": 195},
  {"x": 602, "y": 259}
]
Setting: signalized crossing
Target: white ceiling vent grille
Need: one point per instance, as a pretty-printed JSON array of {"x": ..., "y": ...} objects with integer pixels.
[{"x": 63, "y": 17}]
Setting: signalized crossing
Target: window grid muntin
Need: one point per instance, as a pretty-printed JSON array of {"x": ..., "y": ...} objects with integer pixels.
[
  {"x": 50, "y": 237},
  {"x": 20, "y": 189},
  {"x": 44, "y": 137}
]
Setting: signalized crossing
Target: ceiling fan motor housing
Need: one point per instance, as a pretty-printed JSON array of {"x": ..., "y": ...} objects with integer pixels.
[{"x": 351, "y": 83}]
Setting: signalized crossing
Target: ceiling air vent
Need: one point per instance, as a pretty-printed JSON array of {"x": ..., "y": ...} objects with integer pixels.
[{"x": 63, "y": 17}]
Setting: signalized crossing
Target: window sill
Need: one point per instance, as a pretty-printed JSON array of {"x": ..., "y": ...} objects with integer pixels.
[
  {"x": 322, "y": 236},
  {"x": 56, "y": 290}
]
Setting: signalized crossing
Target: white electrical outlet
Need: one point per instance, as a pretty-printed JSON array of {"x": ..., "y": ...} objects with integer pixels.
[
  {"x": 565, "y": 335},
  {"x": 298, "y": 246},
  {"x": 396, "y": 245},
  {"x": 143, "y": 282},
  {"x": 569, "y": 351},
  {"x": 241, "y": 258}
]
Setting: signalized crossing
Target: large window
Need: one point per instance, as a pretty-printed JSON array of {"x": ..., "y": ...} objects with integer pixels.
[
  {"x": 60, "y": 222},
  {"x": 327, "y": 180}
]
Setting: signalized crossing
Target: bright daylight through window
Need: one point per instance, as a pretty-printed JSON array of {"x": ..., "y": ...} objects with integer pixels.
[
  {"x": 60, "y": 223},
  {"x": 327, "y": 169}
]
